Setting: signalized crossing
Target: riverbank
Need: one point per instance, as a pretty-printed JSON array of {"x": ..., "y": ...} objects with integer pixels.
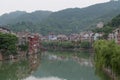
[
  {"x": 73, "y": 49},
  {"x": 66, "y": 45},
  {"x": 107, "y": 57},
  {"x": 110, "y": 74}
]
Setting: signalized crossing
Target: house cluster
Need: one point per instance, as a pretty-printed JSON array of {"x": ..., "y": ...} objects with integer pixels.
[
  {"x": 83, "y": 36},
  {"x": 34, "y": 39},
  {"x": 115, "y": 35}
]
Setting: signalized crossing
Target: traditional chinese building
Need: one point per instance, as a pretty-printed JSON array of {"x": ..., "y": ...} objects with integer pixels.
[{"x": 34, "y": 43}]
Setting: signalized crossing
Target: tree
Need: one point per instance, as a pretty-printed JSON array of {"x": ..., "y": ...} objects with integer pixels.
[
  {"x": 85, "y": 44},
  {"x": 8, "y": 44}
]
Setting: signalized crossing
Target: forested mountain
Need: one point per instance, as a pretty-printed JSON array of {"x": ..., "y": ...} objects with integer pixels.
[
  {"x": 20, "y": 16},
  {"x": 8, "y": 17},
  {"x": 64, "y": 21}
]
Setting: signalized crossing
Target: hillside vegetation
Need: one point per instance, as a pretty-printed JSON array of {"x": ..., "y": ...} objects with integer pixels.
[
  {"x": 109, "y": 27},
  {"x": 72, "y": 20}
]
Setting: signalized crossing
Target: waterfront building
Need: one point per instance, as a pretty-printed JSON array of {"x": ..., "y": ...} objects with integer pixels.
[
  {"x": 62, "y": 37},
  {"x": 34, "y": 43}
]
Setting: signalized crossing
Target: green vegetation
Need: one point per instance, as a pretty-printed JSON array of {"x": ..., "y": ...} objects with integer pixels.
[
  {"x": 58, "y": 44},
  {"x": 115, "y": 22},
  {"x": 23, "y": 47},
  {"x": 85, "y": 45},
  {"x": 107, "y": 55},
  {"x": 8, "y": 44},
  {"x": 108, "y": 28},
  {"x": 14, "y": 70},
  {"x": 66, "y": 44}
]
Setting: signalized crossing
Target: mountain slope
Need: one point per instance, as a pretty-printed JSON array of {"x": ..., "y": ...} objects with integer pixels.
[
  {"x": 20, "y": 16},
  {"x": 6, "y": 18},
  {"x": 75, "y": 20},
  {"x": 65, "y": 21}
]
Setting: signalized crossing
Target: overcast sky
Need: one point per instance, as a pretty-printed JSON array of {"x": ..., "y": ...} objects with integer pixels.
[{"x": 7, "y": 6}]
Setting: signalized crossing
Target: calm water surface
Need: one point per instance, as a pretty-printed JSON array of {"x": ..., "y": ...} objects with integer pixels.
[{"x": 52, "y": 65}]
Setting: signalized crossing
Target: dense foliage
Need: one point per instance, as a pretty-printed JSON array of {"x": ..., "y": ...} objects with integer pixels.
[
  {"x": 8, "y": 44},
  {"x": 107, "y": 55},
  {"x": 85, "y": 45},
  {"x": 66, "y": 21},
  {"x": 115, "y": 22}
]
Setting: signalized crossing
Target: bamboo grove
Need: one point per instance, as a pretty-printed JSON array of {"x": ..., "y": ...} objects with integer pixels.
[{"x": 107, "y": 56}]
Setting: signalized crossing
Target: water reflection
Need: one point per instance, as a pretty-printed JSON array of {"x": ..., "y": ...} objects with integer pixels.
[
  {"x": 18, "y": 69},
  {"x": 48, "y": 78},
  {"x": 66, "y": 65},
  {"x": 53, "y": 65},
  {"x": 34, "y": 62},
  {"x": 83, "y": 61},
  {"x": 58, "y": 58}
]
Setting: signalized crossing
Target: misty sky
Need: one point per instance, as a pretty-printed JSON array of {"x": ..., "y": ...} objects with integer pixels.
[{"x": 7, "y": 6}]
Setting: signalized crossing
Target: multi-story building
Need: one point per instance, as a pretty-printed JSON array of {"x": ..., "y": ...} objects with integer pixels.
[{"x": 34, "y": 43}]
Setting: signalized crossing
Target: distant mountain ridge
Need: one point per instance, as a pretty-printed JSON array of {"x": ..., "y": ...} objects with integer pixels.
[
  {"x": 21, "y": 16},
  {"x": 6, "y": 18},
  {"x": 72, "y": 20}
]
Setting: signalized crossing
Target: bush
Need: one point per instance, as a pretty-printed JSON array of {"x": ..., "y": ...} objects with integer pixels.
[{"x": 85, "y": 44}]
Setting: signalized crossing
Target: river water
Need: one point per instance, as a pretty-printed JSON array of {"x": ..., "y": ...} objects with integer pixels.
[{"x": 52, "y": 65}]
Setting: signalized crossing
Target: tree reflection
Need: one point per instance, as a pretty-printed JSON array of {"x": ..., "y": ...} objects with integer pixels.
[
  {"x": 102, "y": 74},
  {"x": 20, "y": 69}
]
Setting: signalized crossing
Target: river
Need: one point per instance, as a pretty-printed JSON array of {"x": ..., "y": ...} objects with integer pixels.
[{"x": 52, "y": 65}]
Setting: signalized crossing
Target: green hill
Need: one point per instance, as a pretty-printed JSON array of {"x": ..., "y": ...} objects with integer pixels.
[
  {"x": 65, "y": 21},
  {"x": 20, "y": 16},
  {"x": 109, "y": 27}
]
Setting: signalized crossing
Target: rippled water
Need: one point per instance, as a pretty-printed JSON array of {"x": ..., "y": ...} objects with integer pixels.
[{"x": 52, "y": 65}]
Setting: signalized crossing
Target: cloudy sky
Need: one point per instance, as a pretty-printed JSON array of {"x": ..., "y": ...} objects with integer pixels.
[{"x": 7, "y": 6}]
